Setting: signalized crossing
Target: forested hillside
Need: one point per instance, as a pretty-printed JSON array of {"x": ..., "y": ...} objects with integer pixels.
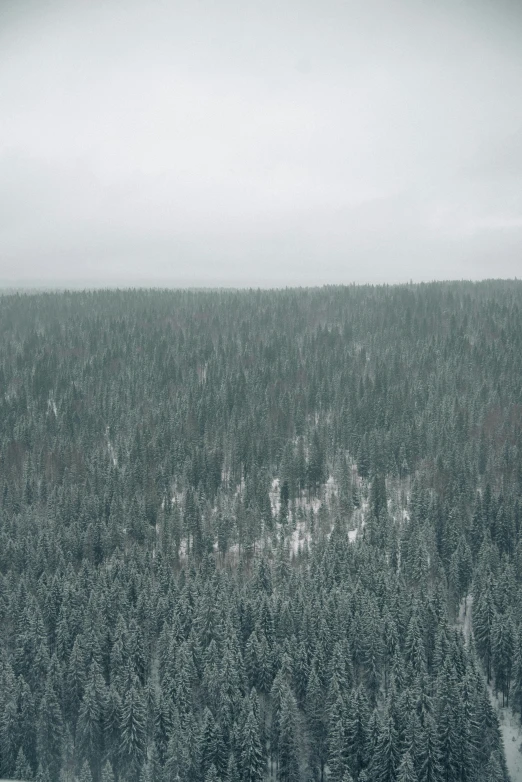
[{"x": 236, "y": 529}]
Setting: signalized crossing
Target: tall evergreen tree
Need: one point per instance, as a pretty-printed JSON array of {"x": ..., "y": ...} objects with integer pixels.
[
  {"x": 252, "y": 762},
  {"x": 133, "y": 730},
  {"x": 50, "y": 732}
]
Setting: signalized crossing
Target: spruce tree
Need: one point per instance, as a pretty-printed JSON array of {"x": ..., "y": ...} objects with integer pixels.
[
  {"x": 132, "y": 730},
  {"x": 316, "y": 719},
  {"x": 252, "y": 762},
  {"x": 356, "y": 730},
  {"x": 50, "y": 732},
  {"x": 503, "y": 654},
  {"x": 90, "y": 720},
  {"x": 85, "y": 773},
  {"x": 483, "y": 621},
  {"x": 22, "y": 768},
  {"x": 107, "y": 774},
  {"x": 385, "y": 761},
  {"x": 288, "y": 750},
  {"x": 406, "y": 771}
]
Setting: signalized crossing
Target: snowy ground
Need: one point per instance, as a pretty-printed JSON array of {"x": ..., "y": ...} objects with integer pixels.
[
  {"x": 464, "y": 620},
  {"x": 300, "y": 537},
  {"x": 112, "y": 452},
  {"x": 512, "y": 735}
]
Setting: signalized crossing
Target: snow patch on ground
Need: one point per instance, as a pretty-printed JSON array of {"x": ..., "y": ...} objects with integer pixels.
[
  {"x": 275, "y": 499},
  {"x": 112, "y": 454},
  {"x": 464, "y": 620},
  {"x": 298, "y": 536},
  {"x": 300, "y": 540},
  {"x": 177, "y": 498},
  {"x": 511, "y": 734}
]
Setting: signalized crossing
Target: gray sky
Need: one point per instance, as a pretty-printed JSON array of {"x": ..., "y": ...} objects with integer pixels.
[{"x": 259, "y": 143}]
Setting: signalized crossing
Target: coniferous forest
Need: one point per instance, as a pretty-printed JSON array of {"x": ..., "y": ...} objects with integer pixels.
[{"x": 260, "y": 535}]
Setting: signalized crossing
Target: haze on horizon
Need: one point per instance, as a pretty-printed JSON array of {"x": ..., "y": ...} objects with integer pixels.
[{"x": 259, "y": 143}]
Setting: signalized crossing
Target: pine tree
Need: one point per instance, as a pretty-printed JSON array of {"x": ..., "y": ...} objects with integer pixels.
[
  {"x": 493, "y": 771},
  {"x": 252, "y": 653},
  {"x": 288, "y": 753},
  {"x": 50, "y": 732},
  {"x": 211, "y": 774},
  {"x": 483, "y": 621},
  {"x": 385, "y": 762},
  {"x": 107, "y": 773},
  {"x": 252, "y": 762},
  {"x": 23, "y": 769},
  {"x": 503, "y": 654},
  {"x": 133, "y": 736},
  {"x": 517, "y": 673},
  {"x": 447, "y": 723},
  {"x": 264, "y": 673},
  {"x": 42, "y": 774},
  {"x": 337, "y": 744},
  {"x": 112, "y": 717},
  {"x": 414, "y": 648},
  {"x": 177, "y": 761},
  {"x": 468, "y": 728},
  {"x": 406, "y": 772},
  {"x": 316, "y": 718},
  {"x": 90, "y": 720},
  {"x": 378, "y": 499},
  {"x": 146, "y": 774},
  {"x": 390, "y": 646},
  {"x": 357, "y": 716},
  {"x": 316, "y": 463},
  {"x": 232, "y": 774},
  {"x": 162, "y": 725},
  {"x": 207, "y": 742},
  {"x": 26, "y": 721},
  {"x": 85, "y": 773}
]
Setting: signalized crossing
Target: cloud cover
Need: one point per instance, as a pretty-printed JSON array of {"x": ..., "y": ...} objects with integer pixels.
[{"x": 259, "y": 143}]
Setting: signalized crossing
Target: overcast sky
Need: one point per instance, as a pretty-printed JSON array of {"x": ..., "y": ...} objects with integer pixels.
[{"x": 295, "y": 142}]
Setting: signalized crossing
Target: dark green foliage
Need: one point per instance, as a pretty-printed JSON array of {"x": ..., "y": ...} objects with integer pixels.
[
  {"x": 406, "y": 772},
  {"x": 484, "y": 617},
  {"x": 133, "y": 730},
  {"x": 107, "y": 773},
  {"x": 317, "y": 720},
  {"x": 89, "y": 729},
  {"x": 85, "y": 773},
  {"x": 22, "y": 768},
  {"x": 503, "y": 653},
  {"x": 385, "y": 762},
  {"x": 179, "y": 472},
  {"x": 50, "y": 732},
  {"x": 288, "y": 760},
  {"x": 252, "y": 762}
]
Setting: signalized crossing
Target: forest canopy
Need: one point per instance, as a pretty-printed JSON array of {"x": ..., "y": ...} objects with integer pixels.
[{"x": 243, "y": 533}]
